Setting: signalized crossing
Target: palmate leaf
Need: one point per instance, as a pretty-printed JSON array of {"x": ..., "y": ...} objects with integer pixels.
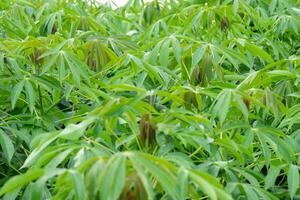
[
  {"x": 164, "y": 176},
  {"x": 112, "y": 178},
  {"x": 220, "y": 79},
  {"x": 97, "y": 54},
  {"x": 206, "y": 182},
  {"x": 227, "y": 99},
  {"x": 64, "y": 59},
  {"x": 270, "y": 136},
  {"x": 15, "y": 27},
  {"x": 145, "y": 179},
  {"x": 52, "y": 23},
  {"x": 77, "y": 67}
]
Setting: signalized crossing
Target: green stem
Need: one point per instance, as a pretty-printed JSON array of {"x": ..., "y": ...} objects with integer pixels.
[{"x": 41, "y": 100}]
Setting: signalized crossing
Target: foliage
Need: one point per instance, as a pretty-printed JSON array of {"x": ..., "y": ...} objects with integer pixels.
[{"x": 164, "y": 100}]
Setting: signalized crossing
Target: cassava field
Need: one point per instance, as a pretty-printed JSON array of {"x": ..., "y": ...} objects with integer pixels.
[{"x": 172, "y": 100}]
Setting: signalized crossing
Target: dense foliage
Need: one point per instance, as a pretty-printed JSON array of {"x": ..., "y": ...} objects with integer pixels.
[{"x": 178, "y": 100}]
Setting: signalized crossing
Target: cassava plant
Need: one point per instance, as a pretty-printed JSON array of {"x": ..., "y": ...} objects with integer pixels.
[{"x": 170, "y": 99}]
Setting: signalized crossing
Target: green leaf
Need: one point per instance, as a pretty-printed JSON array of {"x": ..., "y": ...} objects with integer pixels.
[
  {"x": 197, "y": 56},
  {"x": 144, "y": 178},
  {"x": 156, "y": 167},
  {"x": 241, "y": 105},
  {"x": 235, "y": 6},
  {"x": 30, "y": 95},
  {"x": 77, "y": 78},
  {"x": 259, "y": 52},
  {"x": 77, "y": 67},
  {"x": 295, "y": 94},
  {"x": 61, "y": 67},
  {"x": 21, "y": 180},
  {"x": 12, "y": 195},
  {"x": 75, "y": 131},
  {"x": 209, "y": 185},
  {"x": 154, "y": 54},
  {"x": 164, "y": 53},
  {"x": 15, "y": 94},
  {"x": 113, "y": 178},
  {"x": 182, "y": 184},
  {"x": 233, "y": 57},
  {"x": 33, "y": 156},
  {"x": 6, "y": 145},
  {"x": 250, "y": 193},
  {"x": 176, "y": 49},
  {"x": 293, "y": 177},
  {"x": 273, "y": 173},
  {"x": 78, "y": 184},
  {"x": 47, "y": 81},
  {"x": 222, "y": 105}
]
